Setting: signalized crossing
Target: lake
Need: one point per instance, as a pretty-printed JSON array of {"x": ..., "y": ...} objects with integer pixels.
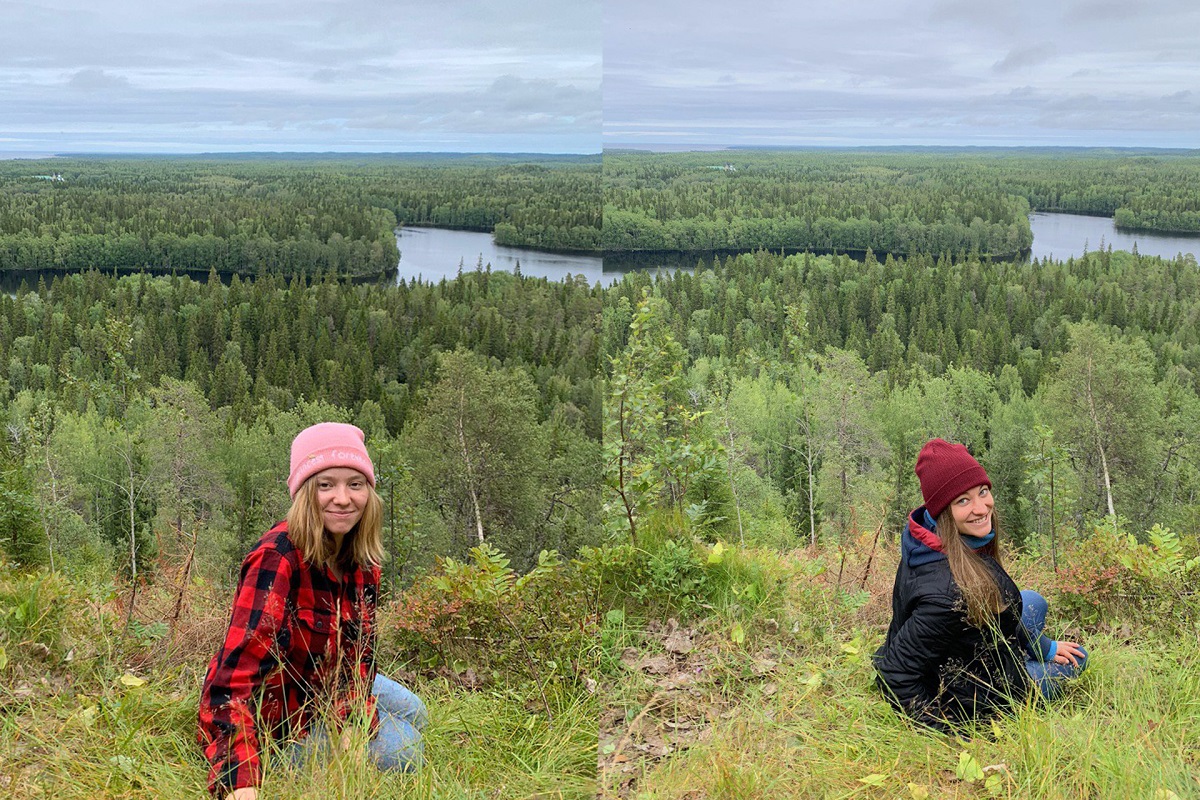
[
  {"x": 435, "y": 253},
  {"x": 1062, "y": 236}
]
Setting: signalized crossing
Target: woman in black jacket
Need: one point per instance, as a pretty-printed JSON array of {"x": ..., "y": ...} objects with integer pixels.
[{"x": 964, "y": 642}]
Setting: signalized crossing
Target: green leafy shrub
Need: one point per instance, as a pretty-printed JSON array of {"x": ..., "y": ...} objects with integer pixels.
[
  {"x": 1113, "y": 577},
  {"x": 663, "y": 577},
  {"x": 147, "y": 635},
  {"x": 674, "y": 576},
  {"x": 481, "y": 616},
  {"x": 1161, "y": 559}
]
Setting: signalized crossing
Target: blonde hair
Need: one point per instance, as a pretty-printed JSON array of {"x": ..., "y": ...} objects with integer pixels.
[
  {"x": 362, "y": 546},
  {"x": 975, "y": 580}
]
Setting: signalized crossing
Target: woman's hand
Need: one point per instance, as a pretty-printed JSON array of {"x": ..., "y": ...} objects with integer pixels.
[
  {"x": 1068, "y": 653},
  {"x": 245, "y": 793}
]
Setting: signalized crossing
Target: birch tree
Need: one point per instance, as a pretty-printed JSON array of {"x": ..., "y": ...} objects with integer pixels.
[
  {"x": 1105, "y": 405},
  {"x": 478, "y": 452}
]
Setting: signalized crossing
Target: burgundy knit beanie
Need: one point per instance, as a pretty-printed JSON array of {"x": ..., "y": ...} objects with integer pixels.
[
  {"x": 327, "y": 445},
  {"x": 945, "y": 471}
]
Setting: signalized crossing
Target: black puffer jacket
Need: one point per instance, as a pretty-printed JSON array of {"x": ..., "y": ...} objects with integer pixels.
[{"x": 934, "y": 665}]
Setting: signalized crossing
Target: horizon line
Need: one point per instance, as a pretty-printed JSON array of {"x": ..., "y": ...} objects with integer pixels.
[{"x": 659, "y": 147}]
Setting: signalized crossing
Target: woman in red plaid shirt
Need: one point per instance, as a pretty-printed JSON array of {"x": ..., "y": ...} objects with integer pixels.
[{"x": 298, "y": 657}]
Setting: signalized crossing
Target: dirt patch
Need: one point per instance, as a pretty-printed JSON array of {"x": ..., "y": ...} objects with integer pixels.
[{"x": 680, "y": 697}]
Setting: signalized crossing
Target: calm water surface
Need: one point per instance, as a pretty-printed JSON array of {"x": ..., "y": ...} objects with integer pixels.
[
  {"x": 1063, "y": 236},
  {"x": 435, "y": 253}
]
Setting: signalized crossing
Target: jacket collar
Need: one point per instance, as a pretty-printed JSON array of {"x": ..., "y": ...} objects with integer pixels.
[{"x": 920, "y": 543}]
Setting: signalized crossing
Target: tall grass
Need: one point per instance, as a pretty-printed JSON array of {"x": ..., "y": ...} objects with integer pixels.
[
  {"x": 771, "y": 694},
  {"x": 813, "y": 724},
  {"x": 139, "y": 742},
  {"x": 118, "y": 719}
]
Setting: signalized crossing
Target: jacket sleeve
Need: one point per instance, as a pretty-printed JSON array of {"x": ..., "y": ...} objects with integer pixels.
[
  {"x": 908, "y": 663},
  {"x": 228, "y": 731},
  {"x": 1041, "y": 647}
]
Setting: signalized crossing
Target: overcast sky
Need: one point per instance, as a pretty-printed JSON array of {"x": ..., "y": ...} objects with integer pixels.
[
  {"x": 901, "y": 72},
  {"x": 525, "y": 75},
  {"x": 345, "y": 75}
]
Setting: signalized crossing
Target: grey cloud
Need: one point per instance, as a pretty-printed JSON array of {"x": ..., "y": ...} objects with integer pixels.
[
  {"x": 342, "y": 75},
  {"x": 1109, "y": 11},
  {"x": 1021, "y": 58},
  {"x": 1099, "y": 10},
  {"x": 1022, "y": 71},
  {"x": 401, "y": 70},
  {"x": 540, "y": 96},
  {"x": 292, "y": 70},
  {"x": 510, "y": 104},
  {"x": 90, "y": 80},
  {"x": 1022, "y": 115},
  {"x": 312, "y": 33},
  {"x": 1011, "y": 19}
]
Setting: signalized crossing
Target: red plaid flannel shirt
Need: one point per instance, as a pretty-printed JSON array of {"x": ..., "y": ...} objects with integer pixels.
[{"x": 298, "y": 640}]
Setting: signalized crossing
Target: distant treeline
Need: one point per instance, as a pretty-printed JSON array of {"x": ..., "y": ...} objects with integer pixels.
[
  {"x": 923, "y": 315},
  {"x": 316, "y": 214},
  {"x": 887, "y": 201},
  {"x": 292, "y": 216}
]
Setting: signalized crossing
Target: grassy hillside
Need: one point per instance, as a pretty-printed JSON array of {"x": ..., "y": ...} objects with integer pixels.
[
  {"x": 91, "y": 709},
  {"x": 759, "y": 684},
  {"x": 720, "y": 672}
]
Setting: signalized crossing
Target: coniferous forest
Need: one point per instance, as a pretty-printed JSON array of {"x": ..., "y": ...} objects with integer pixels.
[
  {"x": 302, "y": 215},
  {"x": 641, "y": 536},
  {"x": 94, "y": 357},
  {"x": 891, "y": 201}
]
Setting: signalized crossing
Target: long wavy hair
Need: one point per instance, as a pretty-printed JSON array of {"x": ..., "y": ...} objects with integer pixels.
[
  {"x": 975, "y": 580},
  {"x": 362, "y": 546}
]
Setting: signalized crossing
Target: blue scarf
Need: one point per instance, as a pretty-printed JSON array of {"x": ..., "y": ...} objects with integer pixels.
[{"x": 916, "y": 546}]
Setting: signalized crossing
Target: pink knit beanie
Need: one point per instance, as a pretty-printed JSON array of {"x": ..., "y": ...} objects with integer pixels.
[
  {"x": 327, "y": 445},
  {"x": 945, "y": 471}
]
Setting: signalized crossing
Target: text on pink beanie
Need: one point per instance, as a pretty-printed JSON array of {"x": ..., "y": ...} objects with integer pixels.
[{"x": 327, "y": 445}]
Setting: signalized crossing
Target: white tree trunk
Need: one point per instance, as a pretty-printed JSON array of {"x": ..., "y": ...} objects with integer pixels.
[
  {"x": 466, "y": 455},
  {"x": 1112, "y": 512}
]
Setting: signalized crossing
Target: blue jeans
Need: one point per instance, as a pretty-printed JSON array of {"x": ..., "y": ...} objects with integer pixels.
[
  {"x": 397, "y": 745},
  {"x": 1048, "y": 676}
]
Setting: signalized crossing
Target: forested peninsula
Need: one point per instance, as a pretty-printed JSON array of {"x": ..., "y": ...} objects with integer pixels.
[
  {"x": 889, "y": 201},
  {"x": 289, "y": 215}
]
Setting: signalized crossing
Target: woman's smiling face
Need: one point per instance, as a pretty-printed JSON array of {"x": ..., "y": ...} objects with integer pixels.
[
  {"x": 973, "y": 511},
  {"x": 342, "y": 495}
]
